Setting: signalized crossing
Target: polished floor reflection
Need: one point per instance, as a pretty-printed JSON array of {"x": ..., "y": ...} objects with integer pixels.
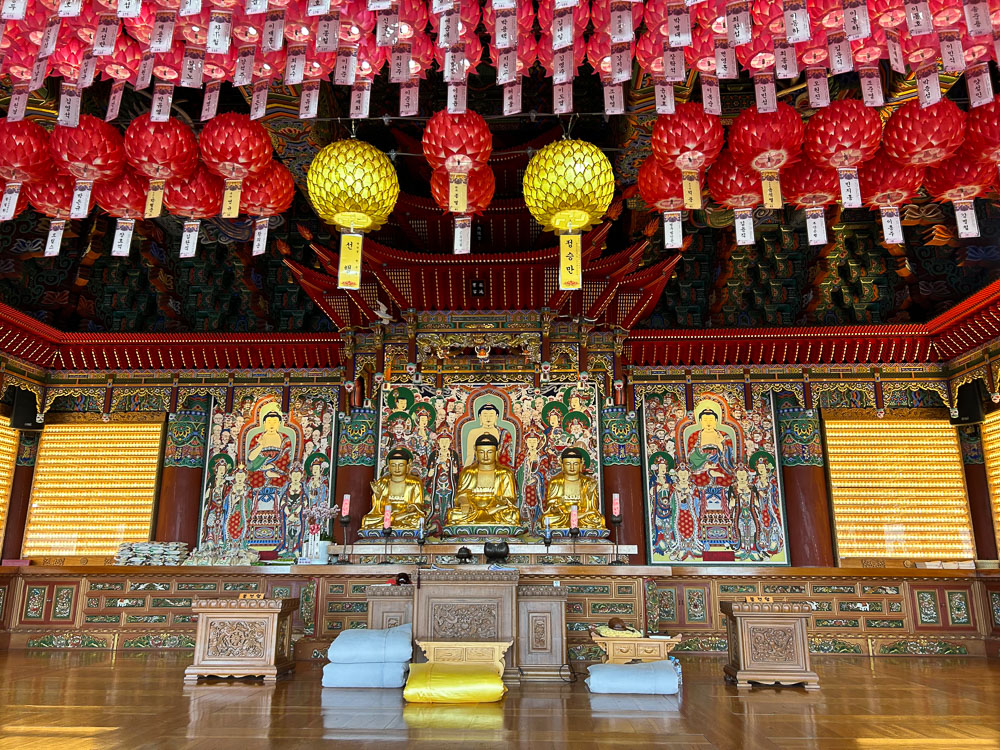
[{"x": 79, "y": 701}]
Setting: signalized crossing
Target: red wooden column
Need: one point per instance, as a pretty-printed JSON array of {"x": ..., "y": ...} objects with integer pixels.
[
  {"x": 978, "y": 489},
  {"x": 355, "y": 468},
  {"x": 20, "y": 494},
  {"x": 623, "y": 475},
  {"x": 807, "y": 504},
  {"x": 179, "y": 505}
]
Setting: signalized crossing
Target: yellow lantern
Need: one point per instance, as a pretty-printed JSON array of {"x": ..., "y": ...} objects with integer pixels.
[
  {"x": 568, "y": 186},
  {"x": 353, "y": 185}
]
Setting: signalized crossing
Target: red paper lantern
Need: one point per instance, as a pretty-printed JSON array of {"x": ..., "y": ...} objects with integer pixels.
[
  {"x": 198, "y": 196},
  {"x": 921, "y": 49},
  {"x": 826, "y": 14},
  {"x": 769, "y": 15},
  {"x": 711, "y": 15},
  {"x": 546, "y": 8},
  {"x": 959, "y": 179},
  {"x": 479, "y": 190},
  {"x": 661, "y": 187},
  {"x": 91, "y": 151},
  {"x": 976, "y": 48},
  {"x": 473, "y": 53},
  {"x": 85, "y": 25},
  {"x": 413, "y": 18},
  {"x": 457, "y": 142},
  {"x": 871, "y": 49},
  {"x": 845, "y": 134},
  {"x": 319, "y": 65},
  {"x": 24, "y": 151},
  {"x": 599, "y": 53},
  {"x": 806, "y": 184},
  {"x": 766, "y": 141},
  {"x": 923, "y": 136},
  {"x": 269, "y": 192},
  {"x": 300, "y": 27},
  {"x": 887, "y": 13},
  {"x": 700, "y": 54},
  {"x": 982, "y": 132},
  {"x": 123, "y": 63},
  {"x": 22, "y": 200},
  {"x": 123, "y": 197},
  {"x": 732, "y": 186},
  {"x": 649, "y": 52},
  {"x": 355, "y": 21},
  {"x": 657, "y": 17},
  {"x": 168, "y": 66},
  {"x": 885, "y": 182},
  {"x": 758, "y": 55},
  {"x": 68, "y": 58},
  {"x": 421, "y": 54},
  {"x": 946, "y": 14},
  {"x": 20, "y": 60},
  {"x": 141, "y": 27},
  {"x": 814, "y": 53},
  {"x": 689, "y": 139},
  {"x": 527, "y": 53},
  {"x": 600, "y": 14},
  {"x": 161, "y": 150},
  {"x": 194, "y": 28},
  {"x": 54, "y": 196},
  {"x": 468, "y": 18},
  {"x": 234, "y": 146},
  {"x": 222, "y": 67}
]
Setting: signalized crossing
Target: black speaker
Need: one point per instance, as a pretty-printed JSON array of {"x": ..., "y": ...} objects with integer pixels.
[
  {"x": 972, "y": 397},
  {"x": 24, "y": 412}
]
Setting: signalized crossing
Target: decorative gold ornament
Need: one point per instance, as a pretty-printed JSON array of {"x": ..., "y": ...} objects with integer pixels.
[
  {"x": 568, "y": 186},
  {"x": 353, "y": 185}
]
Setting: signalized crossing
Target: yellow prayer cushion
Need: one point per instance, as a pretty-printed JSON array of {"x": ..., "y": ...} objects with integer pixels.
[
  {"x": 606, "y": 632},
  {"x": 442, "y": 682},
  {"x": 455, "y": 716}
]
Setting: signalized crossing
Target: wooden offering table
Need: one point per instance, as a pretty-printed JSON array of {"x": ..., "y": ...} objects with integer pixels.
[
  {"x": 768, "y": 644},
  {"x": 626, "y": 650},
  {"x": 243, "y": 638}
]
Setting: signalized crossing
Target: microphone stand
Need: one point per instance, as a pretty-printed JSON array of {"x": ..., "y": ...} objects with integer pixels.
[{"x": 344, "y": 559}]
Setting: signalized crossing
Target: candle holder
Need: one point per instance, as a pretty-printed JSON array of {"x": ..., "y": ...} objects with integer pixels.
[
  {"x": 547, "y": 541},
  {"x": 574, "y": 533},
  {"x": 386, "y": 533},
  {"x": 616, "y": 521},
  {"x": 421, "y": 540},
  {"x": 344, "y": 558}
]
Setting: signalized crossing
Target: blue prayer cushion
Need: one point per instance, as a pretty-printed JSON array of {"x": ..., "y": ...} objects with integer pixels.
[
  {"x": 366, "y": 675},
  {"x": 648, "y": 678},
  {"x": 366, "y": 646}
]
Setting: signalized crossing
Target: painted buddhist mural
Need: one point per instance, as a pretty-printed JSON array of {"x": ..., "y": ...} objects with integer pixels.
[
  {"x": 713, "y": 492},
  {"x": 532, "y": 426},
  {"x": 266, "y": 467}
]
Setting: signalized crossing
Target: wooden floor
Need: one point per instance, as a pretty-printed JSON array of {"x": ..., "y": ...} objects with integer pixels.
[{"x": 93, "y": 701}]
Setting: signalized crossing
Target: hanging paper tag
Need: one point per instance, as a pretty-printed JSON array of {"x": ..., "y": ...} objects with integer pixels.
[
  {"x": 841, "y": 59},
  {"x": 144, "y": 75},
  {"x": 896, "y": 60},
  {"x": 454, "y": 64},
  {"x": 309, "y": 100},
  {"x": 441, "y": 6},
  {"x": 210, "y": 102},
  {"x": 162, "y": 36},
  {"x": 458, "y": 192},
  {"x": 11, "y": 193},
  {"x": 565, "y": 4},
  {"x": 673, "y": 65},
  {"x": 796, "y": 21},
  {"x": 918, "y": 17},
  {"x": 409, "y": 93},
  {"x": 621, "y": 30},
  {"x": 13, "y": 10},
  {"x": 678, "y": 26},
  {"x": 243, "y": 72},
  {"x": 448, "y": 29},
  {"x": 231, "y": 199},
  {"x": 819, "y": 87},
  {"x": 563, "y": 67},
  {"x": 764, "y": 90},
  {"x": 771, "y": 189},
  {"x": 711, "y": 99},
  {"x": 189, "y": 238},
  {"x": 850, "y": 187},
  {"x": 891, "y": 226},
  {"x": 738, "y": 22},
  {"x": 328, "y": 32},
  {"x": 193, "y": 67},
  {"x": 54, "y": 240},
  {"x": 512, "y": 98},
  {"x": 106, "y": 33},
  {"x": 387, "y": 29},
  {"x": 274, "y": 31},
  {"x": 562, "y": 29},
  {"x": 88, "y": 67},
  {"x": 506, "y": 67},
  {"x": 295, "y": 64},
  {"x": 725, "y": 60},
  {"x": 189, "y": 8},
  {"x": 965, "y": 219},
  {"x": 562, "y": 98},
  {"x": 258, "y": 102},
  {"x": 346, "y": 68},
  {"x": 665, "y": 102},
  {"x": 463, "y": 235},
  {"x": 255, "y": 7},
  {"x": 317, "y": 8},
  {"x": 399, "y": 64},
  {"x": 570, "y": 273},
  {"x": 457, "y": 95},
  {"x": 691, "y": 189},
  {"x": 349, "y": 272},
  {"x": 69, "y": 105},
  {"x": 123, "y": 238},
  {"x": 977, "y": 80},
  {"x": 48, "y": 44},
  {"x": 379, "y": 5},
  {"x": 360, "y": 99},
  {"x": 18, "y": 102},
  {"x": 871, "y": 87},
  {"x": 259, "y": 236},
  {"x": 505, "y": 36},
  {"x": 621, "y": 62},
  {"x": 154, "y": 199},
  {"x": 977, "y": 17},
  {"x": 38, "y": 71},
  {"x": 220, "y": 29},
  {"x": 856, "y": 22},
  {"x": 816, "y": 225},
  {"x": 499, "y": 5},
  {"x": 614, "y": 99},
  {"x": 673, "y": 230},
  {"x": 163, "y": 97},
  {"x": 129, "y": 8},
  {"x": 952, "y": 54},
  {"x": 743, "y": 221},
  {"x": 928, "y": 85}
]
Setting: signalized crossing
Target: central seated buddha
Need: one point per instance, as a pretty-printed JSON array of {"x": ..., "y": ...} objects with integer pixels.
[{"x": 486, "y": 499}]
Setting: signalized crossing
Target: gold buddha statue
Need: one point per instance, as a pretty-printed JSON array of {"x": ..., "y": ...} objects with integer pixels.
[
  {"x": 487, "y": 490},
  {"x": 401, "y": 491},
  {"x": 572, "y": 487}
]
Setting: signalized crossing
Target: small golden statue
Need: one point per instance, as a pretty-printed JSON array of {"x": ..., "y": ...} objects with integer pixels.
[
  {"x": 402, "y": 492},
  {"x": 487, "y": 491},
  {"x": 572, "y": 487}
]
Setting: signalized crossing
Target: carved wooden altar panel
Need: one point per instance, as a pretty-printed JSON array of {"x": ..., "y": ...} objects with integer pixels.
[
  {"x": 767, "y": 644},
  {"x": 389, "y": 606},
  {"x": 541, "y": 636}
]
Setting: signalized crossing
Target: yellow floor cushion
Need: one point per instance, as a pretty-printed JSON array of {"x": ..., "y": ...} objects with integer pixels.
[
  {"x": 442, "y": 682},
  {"x": 454, "y": 716}
]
